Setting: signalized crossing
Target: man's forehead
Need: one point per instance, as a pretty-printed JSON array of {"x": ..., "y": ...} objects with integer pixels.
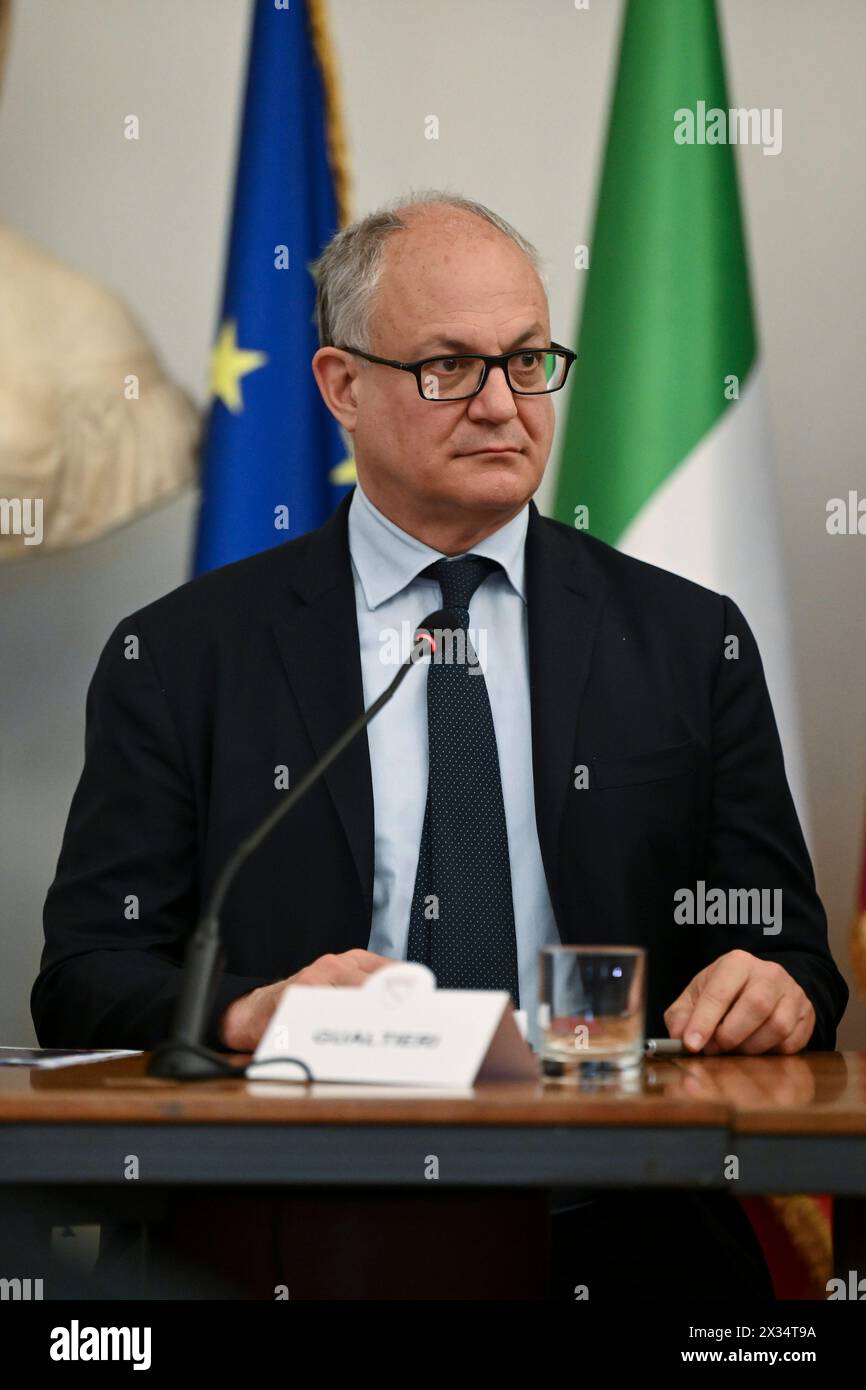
[
  {"x": 430, "y": 250},
  {"x": 423, "y": 331},
  {"x": 473, "y": 335},
  {"x": 452, "y": 295}
]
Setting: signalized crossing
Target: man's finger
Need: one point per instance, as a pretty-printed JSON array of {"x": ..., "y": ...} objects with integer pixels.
[
  {"x": 350, "y": 972},
  {"x": 724, "y": 980},
  {"x": 788, "y": 1030},
  {"x": 768, "y": 1031},
  {"x": 803, "y": 1031},
  {"x": 680, "y": 1011},
  {"x": 676, "y": 1017},
  {"x": 369, "y": 962},
  {"x": 763, "y": 1005}
]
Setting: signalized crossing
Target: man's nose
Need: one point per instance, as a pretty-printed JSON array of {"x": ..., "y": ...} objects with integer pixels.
[{"x": 495, "y": 400}]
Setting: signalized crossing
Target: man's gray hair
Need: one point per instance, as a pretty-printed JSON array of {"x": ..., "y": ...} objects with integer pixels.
[{"x": 348, "y": 271}]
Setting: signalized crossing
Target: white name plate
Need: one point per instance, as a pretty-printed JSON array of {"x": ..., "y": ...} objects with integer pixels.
[{"x": 395, "y": 1029}]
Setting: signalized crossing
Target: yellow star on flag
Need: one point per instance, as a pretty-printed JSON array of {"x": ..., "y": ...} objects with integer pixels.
[
  {"x": 343, "y": 473},
  {"x": 228, "y": 364}
]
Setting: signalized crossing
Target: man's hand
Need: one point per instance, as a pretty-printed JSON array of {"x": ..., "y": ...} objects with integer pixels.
[
  {"x": 246, "y": 1018},
  {"x": 740, "y": 1003}
]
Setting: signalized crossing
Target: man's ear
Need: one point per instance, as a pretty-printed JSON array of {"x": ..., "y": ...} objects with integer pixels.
[{"x": 336, "y": 377}]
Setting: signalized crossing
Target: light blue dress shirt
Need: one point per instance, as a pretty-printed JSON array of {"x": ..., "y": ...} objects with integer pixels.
[{"x": 391, "y": 600}]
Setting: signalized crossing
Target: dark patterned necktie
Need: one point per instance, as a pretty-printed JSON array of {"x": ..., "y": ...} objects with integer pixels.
[{"x": 462, "y": 916}]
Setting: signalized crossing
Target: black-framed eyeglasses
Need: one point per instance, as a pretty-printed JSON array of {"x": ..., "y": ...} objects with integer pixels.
[{"x": 529, "y": 371}]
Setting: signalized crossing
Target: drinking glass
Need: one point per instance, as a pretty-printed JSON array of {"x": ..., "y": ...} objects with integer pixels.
[{"x": 592, "y": 1003}]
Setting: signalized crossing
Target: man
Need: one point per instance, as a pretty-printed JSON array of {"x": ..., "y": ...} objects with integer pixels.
[{"x": 462, "y": 830}]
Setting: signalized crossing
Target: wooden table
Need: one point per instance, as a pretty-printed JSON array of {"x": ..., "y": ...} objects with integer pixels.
[{"x": 73, "y": 1140}]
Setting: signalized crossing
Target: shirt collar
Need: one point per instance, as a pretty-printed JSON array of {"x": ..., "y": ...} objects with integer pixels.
[{"x": 387, "y": 558}]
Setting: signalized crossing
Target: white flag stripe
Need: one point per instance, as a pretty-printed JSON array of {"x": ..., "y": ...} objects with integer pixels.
[{"x": 715, "y": 520}]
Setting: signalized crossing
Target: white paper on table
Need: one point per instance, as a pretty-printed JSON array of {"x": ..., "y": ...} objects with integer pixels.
[{"x": 396, "y": 1029}]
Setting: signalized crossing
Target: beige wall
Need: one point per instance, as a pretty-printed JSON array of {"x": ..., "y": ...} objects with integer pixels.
[{"x": 149, "y": 218}]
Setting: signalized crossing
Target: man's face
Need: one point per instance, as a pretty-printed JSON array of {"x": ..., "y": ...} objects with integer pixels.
[{"x": 451, "y": 283}]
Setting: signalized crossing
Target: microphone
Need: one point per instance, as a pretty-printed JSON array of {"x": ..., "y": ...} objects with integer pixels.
[{"x": 183, "y": 1056}]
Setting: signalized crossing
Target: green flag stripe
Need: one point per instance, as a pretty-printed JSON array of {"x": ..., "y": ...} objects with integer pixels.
[{"x": 666, "y": 314}]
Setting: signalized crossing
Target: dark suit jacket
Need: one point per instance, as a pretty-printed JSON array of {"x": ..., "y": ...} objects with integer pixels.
[{"x": 257, "y": 664}]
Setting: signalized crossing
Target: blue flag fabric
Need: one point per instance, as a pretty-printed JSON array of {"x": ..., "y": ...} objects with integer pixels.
[{"x": 274, "y": 462}]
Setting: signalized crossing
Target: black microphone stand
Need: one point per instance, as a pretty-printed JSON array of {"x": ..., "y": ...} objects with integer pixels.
[{"x": 183, "y": 1056}]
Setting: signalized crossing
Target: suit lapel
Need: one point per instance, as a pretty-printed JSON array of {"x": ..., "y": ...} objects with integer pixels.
[
  {"x": 320, "y": 650},
  {"x": 565, "y": 597}
]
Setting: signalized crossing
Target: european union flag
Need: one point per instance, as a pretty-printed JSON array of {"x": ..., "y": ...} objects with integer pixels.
[{"x": 274, "y": 461}]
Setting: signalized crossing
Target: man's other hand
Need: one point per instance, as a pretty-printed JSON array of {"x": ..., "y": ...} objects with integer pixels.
[
  {"x": 740, "y": 1003},
  {"x": 246, "y": 1018}
]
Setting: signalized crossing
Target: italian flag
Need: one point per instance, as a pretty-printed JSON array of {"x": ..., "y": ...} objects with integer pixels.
[{"x": 666, "y": 449}]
